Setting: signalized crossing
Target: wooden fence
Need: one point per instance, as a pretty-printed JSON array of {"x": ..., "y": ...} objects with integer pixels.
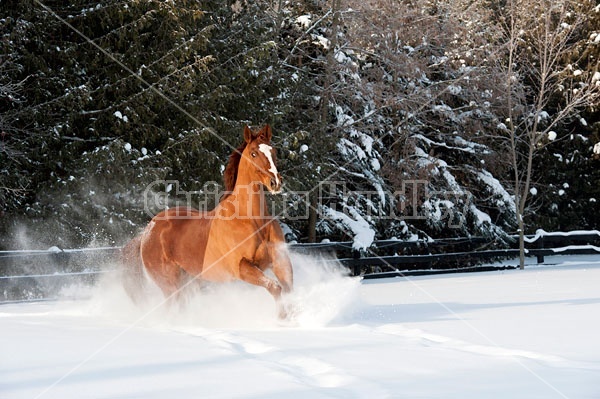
[
  {"x": 389, "y": 258},
  {"x": 37, "y": 275}
]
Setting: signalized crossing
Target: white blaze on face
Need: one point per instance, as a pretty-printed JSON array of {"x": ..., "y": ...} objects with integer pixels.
[{"x": 266, "y": 149}]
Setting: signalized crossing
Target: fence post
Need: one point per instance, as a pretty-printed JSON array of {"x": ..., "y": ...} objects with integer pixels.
[
  {"x": 540, "y": 256},
  {"x": 356, "y": 254}
]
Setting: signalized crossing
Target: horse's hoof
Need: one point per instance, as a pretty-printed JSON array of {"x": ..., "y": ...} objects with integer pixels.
[{"x": 283, "y": 314}]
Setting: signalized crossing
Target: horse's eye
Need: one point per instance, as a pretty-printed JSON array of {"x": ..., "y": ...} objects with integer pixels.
[{"x": 253, "y": 155}]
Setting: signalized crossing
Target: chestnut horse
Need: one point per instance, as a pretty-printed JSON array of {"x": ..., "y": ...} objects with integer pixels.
[{"x": 238, "y": 239}]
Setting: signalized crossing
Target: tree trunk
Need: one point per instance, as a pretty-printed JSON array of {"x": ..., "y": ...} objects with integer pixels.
[
  {"x": 326, "y": 95},
  {"x": 521, "y": 242},
  {"x": 312, "y": 217}
]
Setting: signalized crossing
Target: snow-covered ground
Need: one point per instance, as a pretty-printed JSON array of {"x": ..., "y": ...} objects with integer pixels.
[{"x": 511, "y": 334}]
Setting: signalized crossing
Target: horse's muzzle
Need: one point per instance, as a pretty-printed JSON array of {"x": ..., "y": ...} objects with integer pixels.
[{"x": 274, "y": 185}]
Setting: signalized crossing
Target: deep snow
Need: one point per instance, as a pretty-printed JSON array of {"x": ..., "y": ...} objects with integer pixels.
[{"x": 511, "y": 334}]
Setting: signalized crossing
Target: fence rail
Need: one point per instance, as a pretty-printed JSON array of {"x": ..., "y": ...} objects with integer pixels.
[{"x": 36, "y": 275}]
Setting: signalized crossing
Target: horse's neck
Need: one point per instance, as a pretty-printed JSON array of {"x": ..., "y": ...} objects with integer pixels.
[{"x": 250, "y": 197}]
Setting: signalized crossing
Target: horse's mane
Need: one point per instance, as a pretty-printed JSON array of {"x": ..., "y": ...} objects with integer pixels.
[{"x": 231, "y": 171}]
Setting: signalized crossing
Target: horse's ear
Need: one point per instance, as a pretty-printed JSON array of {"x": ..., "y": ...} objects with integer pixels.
[
  {"x": 248, "y": 135},
  {"x": 268, "y": 133}
]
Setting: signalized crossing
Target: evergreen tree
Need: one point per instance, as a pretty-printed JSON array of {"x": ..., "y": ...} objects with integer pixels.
[
  {"x": 96, "y": 78},
  {"x": 396, "y": 108}
]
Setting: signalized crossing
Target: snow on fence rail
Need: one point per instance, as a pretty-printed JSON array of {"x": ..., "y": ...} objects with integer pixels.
[{"x": 35, "y": 275}]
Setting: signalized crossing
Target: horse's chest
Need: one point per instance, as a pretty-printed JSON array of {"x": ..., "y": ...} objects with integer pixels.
[
  {"x": 243, "y": 233},
  {"x": 227, "y": 246}
]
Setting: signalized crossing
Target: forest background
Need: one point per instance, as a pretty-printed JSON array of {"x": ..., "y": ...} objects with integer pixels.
[{"x": 407, "y": 119}]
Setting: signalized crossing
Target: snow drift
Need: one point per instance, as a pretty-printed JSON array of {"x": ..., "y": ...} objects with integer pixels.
[{"x": 512, "y": 334}]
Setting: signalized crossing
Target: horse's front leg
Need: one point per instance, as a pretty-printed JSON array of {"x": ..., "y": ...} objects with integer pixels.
[
  {"x": 275, "y": 256},
  {"x": 252, "y": 273},
  {"x": 282, "y": 266}
]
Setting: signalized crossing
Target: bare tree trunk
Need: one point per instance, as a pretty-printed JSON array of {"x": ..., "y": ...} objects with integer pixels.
[
  {"x": 521, "y": 243},
  {"x": 512, "y": 48},
  {"x": 312, "y": 216}
]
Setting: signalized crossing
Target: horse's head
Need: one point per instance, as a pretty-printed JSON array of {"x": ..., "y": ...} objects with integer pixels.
[{"x": 261, "y": 158}]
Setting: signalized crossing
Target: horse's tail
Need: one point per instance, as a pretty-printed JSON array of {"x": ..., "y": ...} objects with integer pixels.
[{"x": 133, "y": 273}]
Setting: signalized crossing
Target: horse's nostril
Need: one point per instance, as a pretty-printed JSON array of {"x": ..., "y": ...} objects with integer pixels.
[{"x": 273, "y": 183}]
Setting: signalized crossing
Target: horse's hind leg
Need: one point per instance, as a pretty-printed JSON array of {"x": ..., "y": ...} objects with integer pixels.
[
  {"x": 159, "y": 265},
  {"x": 250, "y": 273},
  {"x": 167, "y": 276}
]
